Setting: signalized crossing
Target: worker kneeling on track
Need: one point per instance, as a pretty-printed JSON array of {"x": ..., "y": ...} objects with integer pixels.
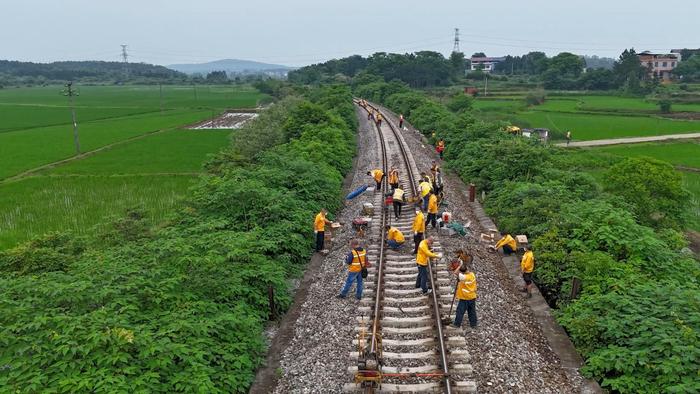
[
  {"x": 394, "y": 237},
  {"x": 357, "y": 269},
  {"x": 508, "y": 243},
  {"x": 466, "y": 294},
  {"x": 422, "y": 259}
]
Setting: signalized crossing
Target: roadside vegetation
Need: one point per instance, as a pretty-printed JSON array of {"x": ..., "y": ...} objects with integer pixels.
[
  {"x": 180, "y": 306},
  {"x": 613, "y": 223}
]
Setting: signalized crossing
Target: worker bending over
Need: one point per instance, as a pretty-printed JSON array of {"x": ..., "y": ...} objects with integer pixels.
[
  {"x": 527, "y": 265},
  {"x": 394, "y": 178},
  {"x": 378, "y": 175},
  {"x": 320, "y": 228},
  {"x": 356, "y": 261},
  {"x": 508, "y": 244},
  {"x": 432, "y": 209},
  {"x": 398, "y": 197},
  {"x": 466, "y": 294},
  {"x": 394, "y": 237},
  {"x": 425, "y": 253},
  {"x": 418, "y": 229}
]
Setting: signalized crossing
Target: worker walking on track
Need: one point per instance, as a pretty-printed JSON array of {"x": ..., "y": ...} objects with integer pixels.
[
  {"x": 379, "y": 119},
  {"x": 397, "y": 200},
  {"x": 466, "y": 294},
  {"x": 320, "y": 228},
  {"x": 527, "y": 265},
  {"x": 440, "y": 147},
  {"x": 438, "y": 184},
  {"x": 393, "y": 178},
  {"x": 432, "y": 209},
  {"x": 394, "y": 237},
  {"x": 378, "y": 176},
  {"x": 418, "y": 229},
  {"x": 370, "y": 115},
  {"x": 425, "y": 253},
  {"x": 508, "y": 243},
  {"x": 401, "y": 121},
  {"x": 425, "y": 188},
  {"x": 356, "y": 261}
]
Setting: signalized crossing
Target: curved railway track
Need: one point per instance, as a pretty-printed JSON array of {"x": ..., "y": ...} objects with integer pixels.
[{"x": 402, "y": 344}]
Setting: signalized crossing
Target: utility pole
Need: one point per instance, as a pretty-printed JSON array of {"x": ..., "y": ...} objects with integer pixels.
[
  {"x": 160, "y": 86},
  {"x": 455, "y": 48},
  {"x": 125, "y": 60},
  {"x": 486, "y": 84},
  {"x": 68, "y": 91}
]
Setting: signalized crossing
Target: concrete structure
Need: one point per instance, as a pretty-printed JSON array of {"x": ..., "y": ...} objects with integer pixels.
[
  {"x": 659, "y": 65},
  {"x": 485, "y": 64}
]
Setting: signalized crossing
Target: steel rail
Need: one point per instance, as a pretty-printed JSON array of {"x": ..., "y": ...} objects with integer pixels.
[{"x": 436, "y": 305}]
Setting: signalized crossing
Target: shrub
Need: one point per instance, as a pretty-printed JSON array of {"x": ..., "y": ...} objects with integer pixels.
[{"x": 665, "y": 106}]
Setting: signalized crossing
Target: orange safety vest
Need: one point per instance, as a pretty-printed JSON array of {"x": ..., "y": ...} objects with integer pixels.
[
  {"x": 359, "y": 260},
  {"x": 466, "y": 289}
]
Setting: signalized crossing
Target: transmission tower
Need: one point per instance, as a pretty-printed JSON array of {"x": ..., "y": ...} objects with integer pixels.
[
  {"x": 455, "y": 48},
  {"x": 125, "y": 60}
]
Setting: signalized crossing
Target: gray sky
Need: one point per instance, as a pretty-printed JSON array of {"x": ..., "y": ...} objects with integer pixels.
[{"x": 307, "y": 31}]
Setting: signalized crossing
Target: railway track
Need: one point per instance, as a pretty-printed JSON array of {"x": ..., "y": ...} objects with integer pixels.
[{"x": 402, "y": 344}]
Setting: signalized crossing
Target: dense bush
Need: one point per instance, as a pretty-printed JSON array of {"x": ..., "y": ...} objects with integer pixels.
[
  {"x": 181, "y": 307},
  {"x": 636, "y": 318}
]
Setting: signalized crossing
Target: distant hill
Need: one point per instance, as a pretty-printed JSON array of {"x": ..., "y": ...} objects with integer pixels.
[
  {"x": 231, "y": 66},
  {"x": 94, "y": 71}
]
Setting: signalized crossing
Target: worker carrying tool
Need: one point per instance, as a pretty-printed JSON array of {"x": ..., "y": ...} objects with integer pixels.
[
  {"x": 357, "y": 264},
  {"x": 398, "y": 200},
  {"x": 432, "y": 209},
  {"x": 379, "y": 119},
  {"x": 418, "y": 228},
  {"x": 394, "y": 178},
  {"x": 466, "y": 294},
  {"x": 394, "y": 237},
  {"x": 378, "y": 175},
  {"x": 320, "y": 227},
  {"x": 440, "y": 147},
  {"x": 527, "y": 265},
  {"x": 425, "y": 253},
  {"x": 401, "y": 121},
  {"x": 425, "y": 189},
  {"x": 508, "y": 243}
]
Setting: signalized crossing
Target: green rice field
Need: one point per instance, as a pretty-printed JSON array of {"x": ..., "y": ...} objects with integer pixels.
[
  {"x": 141, "y": 155},
  {"x": 686, "y": 153}
]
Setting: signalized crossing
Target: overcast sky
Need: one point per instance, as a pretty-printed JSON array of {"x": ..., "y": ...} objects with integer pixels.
[{"x": 299, "y": 32}]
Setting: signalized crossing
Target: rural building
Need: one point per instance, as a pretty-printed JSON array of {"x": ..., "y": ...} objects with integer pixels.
[
  {"x": 659, "y": 65},
  {"x": 485, "y": 64}
]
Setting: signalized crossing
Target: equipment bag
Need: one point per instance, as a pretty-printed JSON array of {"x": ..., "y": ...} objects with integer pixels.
[{"x": 364, "y": 272}]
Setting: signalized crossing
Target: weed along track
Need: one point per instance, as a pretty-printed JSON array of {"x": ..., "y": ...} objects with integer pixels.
[{"x": 401, "y": 344}]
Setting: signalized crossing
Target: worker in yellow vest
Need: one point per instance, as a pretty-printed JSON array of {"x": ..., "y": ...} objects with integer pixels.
[
  {"x": 418, "y": 229},
  {"x": 370, "y": 115},
  {"x": 397, "y": 200},
  {"x": 394, "y": 237},
  {"x": 320, "y": 228},
  {"x": 466, "y": 294},
  {"x": 508, "y": 243},
  {"x": 356, "y": 260},
  {"x": 527, "y": 265},
  {"x": 425, "y": 188},
  {"x": 432, "y": 209},
  {"x": 394, "y": 178},
  {"x": 425, "y": 253},
  {"x": 377, "y": 175},
  {"x": 379, "y": 119}
]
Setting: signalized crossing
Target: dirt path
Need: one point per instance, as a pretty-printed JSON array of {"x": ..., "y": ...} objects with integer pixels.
[{"x": 630, "y": 140}]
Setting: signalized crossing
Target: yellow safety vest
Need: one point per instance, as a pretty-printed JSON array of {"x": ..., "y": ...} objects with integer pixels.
[
  {"x": 466, "y": 289},
  {"x": 359, "y": 259}
]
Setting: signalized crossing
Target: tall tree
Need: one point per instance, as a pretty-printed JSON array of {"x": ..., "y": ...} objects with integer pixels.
[
  {"x": 629, "y": 71},
  {"x": 457, "y": 64}
]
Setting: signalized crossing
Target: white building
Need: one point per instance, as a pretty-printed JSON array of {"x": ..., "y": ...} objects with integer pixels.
[{"x": 485, "y": 64}]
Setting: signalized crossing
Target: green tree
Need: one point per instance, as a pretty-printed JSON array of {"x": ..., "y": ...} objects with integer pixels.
[
  {"x": 567, "y": 65},
  {"x": 689, "y": 70},
  {"x": 460, "y": 102},
  {"x": 457, "y": 64},
  {"x": 629, "y": 72},
  {"x": 654, "y": 188}
]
